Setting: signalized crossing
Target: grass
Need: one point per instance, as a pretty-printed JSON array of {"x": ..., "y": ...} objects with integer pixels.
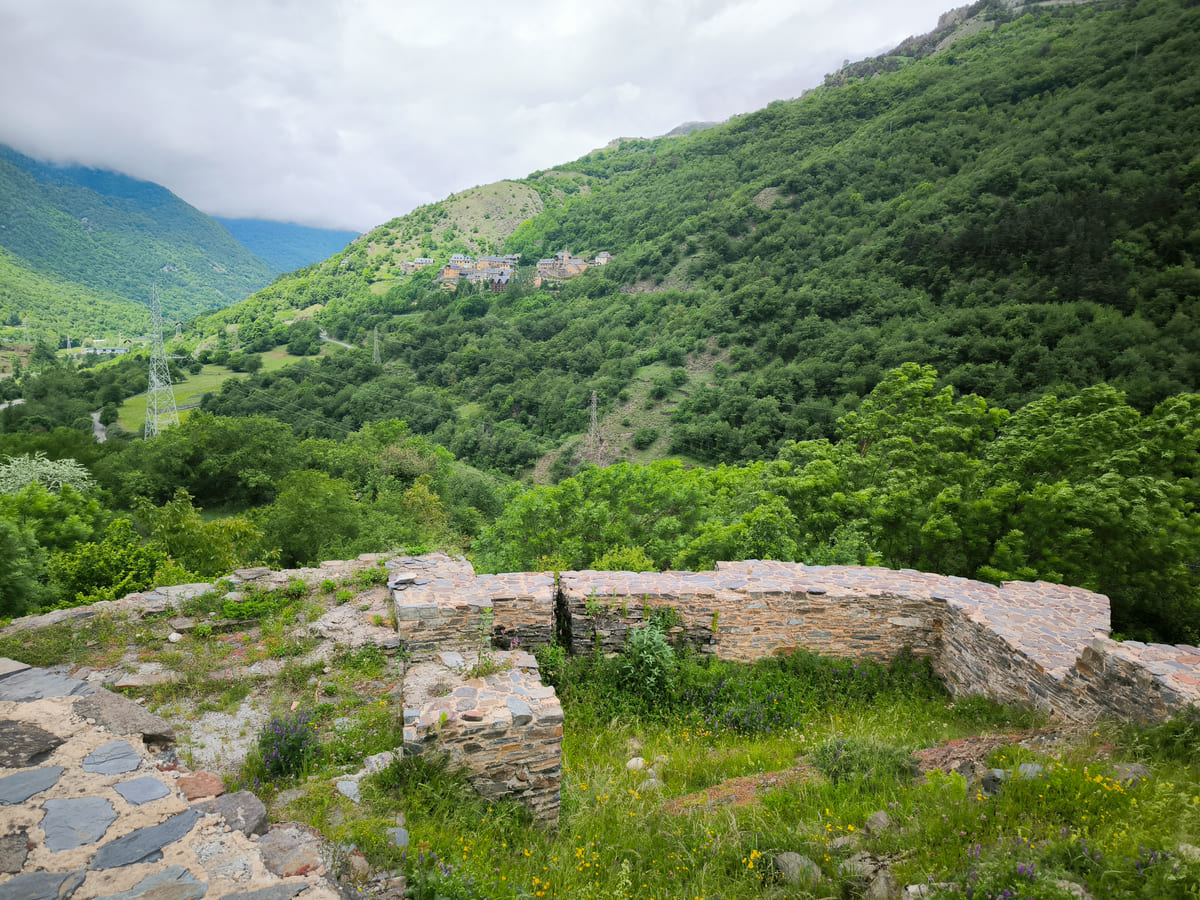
[
  {"x": 838, "y": 752},
  {"x": 132, "y": 413},
  {"x": 618, "y": 839}
]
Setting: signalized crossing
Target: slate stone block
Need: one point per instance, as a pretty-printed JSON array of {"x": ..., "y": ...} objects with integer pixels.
[
  {"x": 172, "y": 883},
  {"x": 76, "y": 821},
  {"x": 41, "y": 886},
  {"x": 28, "y": 685},
  {"x": 145, "y": 844},
  {"x": 142, "y": 790},
  {"x": 522, "y": 713},
  {"x": 20, "y": 787},
  {"x": 113, "y": 758}
]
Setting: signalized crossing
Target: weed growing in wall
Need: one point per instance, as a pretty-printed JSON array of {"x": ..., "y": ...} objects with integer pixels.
[{"x": 647, "y": 669}]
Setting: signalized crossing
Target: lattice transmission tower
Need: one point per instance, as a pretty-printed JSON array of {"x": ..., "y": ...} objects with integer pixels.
[{"x": 160, "y": 399}]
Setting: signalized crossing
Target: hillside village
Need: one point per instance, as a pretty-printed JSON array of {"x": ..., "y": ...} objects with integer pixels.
[{"x": 497, "y": 272}]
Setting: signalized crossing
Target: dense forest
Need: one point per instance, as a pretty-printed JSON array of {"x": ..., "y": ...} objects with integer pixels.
[
  {"x": 285, "y": 246},
  {"x": 938, "y": 313}
]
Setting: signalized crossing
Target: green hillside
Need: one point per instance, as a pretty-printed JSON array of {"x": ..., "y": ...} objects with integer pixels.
[
  {"x": 285, "y": 246},
  {"x": 114, "y": 236},
  {"x": 1018, "y": 210},
  {"x": 54, "y": 307}
]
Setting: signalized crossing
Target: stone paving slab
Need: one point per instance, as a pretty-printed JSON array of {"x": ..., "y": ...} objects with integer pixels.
[
  {"x": 29, "y": 684},
  {"x": 20, "y": 787},
  {"x": 94, "y": 831}
]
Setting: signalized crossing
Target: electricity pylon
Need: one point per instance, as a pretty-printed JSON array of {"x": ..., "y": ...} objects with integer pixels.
[{"x": 160, "y": 399}]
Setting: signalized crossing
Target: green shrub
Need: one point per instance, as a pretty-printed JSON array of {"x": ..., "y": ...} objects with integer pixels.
[
  {"x": 647, "y": 666},
  {"x": 848, "y": 759},
  {"x": 644, "y": 438},
  {"x": 624, "y": 559},
  {"x": 552, "y": 662},
  {"x": 254, "y": 604},
  {"x": 373, "y": 576}
]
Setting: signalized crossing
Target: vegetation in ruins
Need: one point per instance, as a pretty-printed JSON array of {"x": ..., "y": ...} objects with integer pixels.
[{"x": 743, "y": 763}]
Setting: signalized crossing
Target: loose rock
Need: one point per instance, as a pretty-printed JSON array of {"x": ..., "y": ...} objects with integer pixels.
[
  {"x": 14, "y": 848},
  {"x": 877, "y": 823},
  {"x": 201, "y": 784},
  {"x": 883, "y": 887},
  {"x": 290, "y": 849},
  {"x": 797, "y": 869},
  {"x": 23, "y": 744},
  {"x": 242, "y": 811}
]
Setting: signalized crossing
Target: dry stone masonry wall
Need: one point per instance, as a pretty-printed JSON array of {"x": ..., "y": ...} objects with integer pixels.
[
  {"x": 504, "y": 727},
  {"x": 1041, "y": 644}
]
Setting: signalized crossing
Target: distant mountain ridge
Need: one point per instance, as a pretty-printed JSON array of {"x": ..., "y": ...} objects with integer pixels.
[
  {"x": 285, "y": 246},
  {"x": 107, "y": 239}
]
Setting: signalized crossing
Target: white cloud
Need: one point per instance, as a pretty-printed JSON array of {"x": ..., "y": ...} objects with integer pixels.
[{"x": 349, "y": 112}]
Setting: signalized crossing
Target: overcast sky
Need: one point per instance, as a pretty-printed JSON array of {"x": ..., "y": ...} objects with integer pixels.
[{"x": 346, "y": 113}]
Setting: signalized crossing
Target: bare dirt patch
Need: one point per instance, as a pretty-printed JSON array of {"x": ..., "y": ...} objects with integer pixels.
[{"x": 747, "y": 790}]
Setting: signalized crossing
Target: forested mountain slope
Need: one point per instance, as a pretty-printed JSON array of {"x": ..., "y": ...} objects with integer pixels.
[
  {"x": 285, "y": 246},
  {"x": 110, "y": 236},
  {"x": 1018, "y": 210}
]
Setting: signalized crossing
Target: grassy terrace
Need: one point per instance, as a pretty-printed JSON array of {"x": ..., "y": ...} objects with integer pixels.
[{"x": 132, "y": 413}]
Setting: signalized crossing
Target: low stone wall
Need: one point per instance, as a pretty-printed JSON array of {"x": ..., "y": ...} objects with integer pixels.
[
  {"x": 505, "y": 728},
  {"x": 438, "y": 602},
  {"x": 745, "y": 611},
  {"x": 1036, "y": 643},
  {"x": 523, "y": 607},
  {"x": 1134, "y": 681}
]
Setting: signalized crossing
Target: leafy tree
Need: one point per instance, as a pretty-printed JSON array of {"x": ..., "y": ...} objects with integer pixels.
[
  {"x": 311, "y": 511},
  {"x": 210, "y": 549},
  {"x": 19, "y": 568},
  {"x": 105, "y": 570},
  {"x": 54, "y": 519},
  {"x": 16, "y": 473},
  {"x": 304, "y": 338}
]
